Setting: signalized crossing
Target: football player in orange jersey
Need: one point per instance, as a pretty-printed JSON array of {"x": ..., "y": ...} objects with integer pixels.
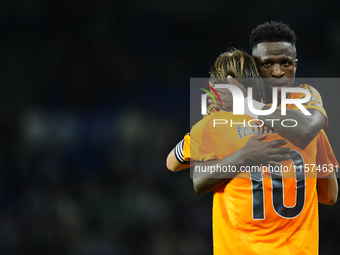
[
  {"x": 296, "y": 220},
  {"x": 274, "y": 51},
  {"x": 263, "y": 212},
  {"x": 280, "y": 66}
]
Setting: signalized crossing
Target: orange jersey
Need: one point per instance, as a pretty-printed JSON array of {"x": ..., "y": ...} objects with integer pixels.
[
  {"x": 315, "y": 101},
  {"x": 262, "y": 213}
]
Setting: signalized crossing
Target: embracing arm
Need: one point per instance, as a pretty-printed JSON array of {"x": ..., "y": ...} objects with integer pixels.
[
  {"x": 173, "y": 164},
  {"x": 179, "y": 158},
  {"x": 253, "y": 153},
  {"x": 206, "y": 181},
  {"x": 307, "y": 125}
]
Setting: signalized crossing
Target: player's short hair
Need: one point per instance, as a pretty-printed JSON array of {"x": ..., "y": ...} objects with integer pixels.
[
  {"x": 241, "y": 66},
  {"x": 273, "y": 31}
]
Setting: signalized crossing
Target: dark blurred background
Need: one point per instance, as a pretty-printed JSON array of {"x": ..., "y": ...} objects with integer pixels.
[{"x": 94, "y": 95}]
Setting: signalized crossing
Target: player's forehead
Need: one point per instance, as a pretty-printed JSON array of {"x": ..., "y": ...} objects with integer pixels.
[{"x": 268, "y": 50}]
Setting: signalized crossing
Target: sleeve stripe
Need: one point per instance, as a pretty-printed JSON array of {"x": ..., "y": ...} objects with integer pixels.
[{"x": 179, "y": 153}]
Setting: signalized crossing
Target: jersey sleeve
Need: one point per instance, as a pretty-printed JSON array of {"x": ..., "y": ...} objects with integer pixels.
[
  {"x": 182, "y": 150},
  {"x": 315, "y": 101},
  {"x": 325, "y": 158}
]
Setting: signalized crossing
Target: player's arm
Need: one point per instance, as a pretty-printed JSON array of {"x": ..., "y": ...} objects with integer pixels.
[
  {"x": 307, "y": 125},
  {"x": 253, "y": 153},
  {"x": 306, "y": 128},
  {"x": 206, "y": 181},
  {"x": 327, "y": 189},
  {"x": 179, "y": 158},
  {"x": 173, "y": 164}
]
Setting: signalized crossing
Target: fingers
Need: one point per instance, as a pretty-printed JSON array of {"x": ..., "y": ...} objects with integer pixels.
[
  {"x": 223, "y": 92},
  {"x": 280, "y": 150},
  {"x": 216, "y": 107},
  {"x": 276, "y": 143},
  {"x": 278, "y": 157},
  {"x": 210, "y": 101},
  {"x": 258, "y": 137},
  {"x": 273, "y": 163},
  {"x": 233, "y": 81}
]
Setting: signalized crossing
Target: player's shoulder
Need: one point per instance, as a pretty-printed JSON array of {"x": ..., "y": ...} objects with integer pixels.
[
  {"x": 310, "y": 88},
  {"x": 315, "y": 95}
]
